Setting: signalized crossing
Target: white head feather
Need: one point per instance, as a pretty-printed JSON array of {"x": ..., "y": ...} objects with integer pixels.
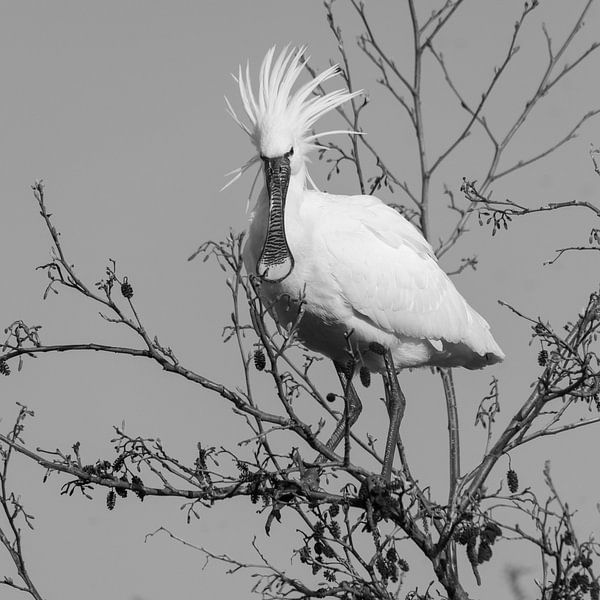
[{"x": 280, "y": 119}]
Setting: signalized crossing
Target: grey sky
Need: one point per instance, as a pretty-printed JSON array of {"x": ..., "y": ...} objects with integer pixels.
[{"x": 119, "y": 107}]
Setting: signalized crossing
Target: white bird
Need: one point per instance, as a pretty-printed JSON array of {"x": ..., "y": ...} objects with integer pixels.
[{"x": 360, "y": 270}]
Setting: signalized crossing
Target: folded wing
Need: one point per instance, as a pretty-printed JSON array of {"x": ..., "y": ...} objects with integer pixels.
[{"x": 388, "y": 273}]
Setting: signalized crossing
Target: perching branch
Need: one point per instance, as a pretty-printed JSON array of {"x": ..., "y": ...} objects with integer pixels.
[{"x": 14, "y": 514}]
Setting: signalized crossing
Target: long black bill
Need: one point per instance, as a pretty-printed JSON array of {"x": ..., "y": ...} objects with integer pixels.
[{"x": 276, "y": 261}]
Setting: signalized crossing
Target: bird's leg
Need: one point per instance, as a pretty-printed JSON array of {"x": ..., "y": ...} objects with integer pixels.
[
  {"x": 453, "y": 431},
  {"x": 396, "y": 403},
  {"x": 399, "y": 445},
  {"x": 352, "y": 410},
  {"x": 454, "y": 453}
]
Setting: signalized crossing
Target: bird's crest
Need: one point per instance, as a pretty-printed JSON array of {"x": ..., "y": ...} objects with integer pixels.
[{"x": 279, "y": 117}]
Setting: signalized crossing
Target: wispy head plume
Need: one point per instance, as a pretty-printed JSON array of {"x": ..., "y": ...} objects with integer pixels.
[{"x": 279, "y": 117}]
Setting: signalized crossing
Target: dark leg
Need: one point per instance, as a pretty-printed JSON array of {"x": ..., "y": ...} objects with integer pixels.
[
  {"x": 352, "y": 409},
  {"x": 396, "y": 403},
  {"x": 454, "y": 453},
  {"x": 453, "y": 431}
]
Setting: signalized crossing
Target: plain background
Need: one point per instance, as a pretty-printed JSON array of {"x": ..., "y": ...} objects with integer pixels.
[{"x": 119, "y": 107}]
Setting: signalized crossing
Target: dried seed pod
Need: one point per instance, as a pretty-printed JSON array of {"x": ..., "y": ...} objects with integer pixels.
[
  {"x": 4, "y": 368},
  {"x": 568, "y": 538},
  {"x": 467, "y": 534},
  {"x": 382, "y": 567},
  {"x": 336, "y": 532},
  {"x": 126, "y": 289},
  {"x": 377, "y": 348},
  {"x": 331, "y": 397},
  {"x": 260, "y": 361},
  {"x": 304, "y": 554},
  {"x": 391, "y": 554},
  {"x": 471, "y": 554},
  {"x": 122, "y": 492},
  {"x": 586, "y": 562},
  {"x": 542, "y": 358},
  {"x": 111, "y": 499},
  {"x": 513, "y": 481},
  {"x": 484, "y": 553},
  {"x": 118, "y": 463},
  {"x": 490, "y": 533},
  {"x": 403, "y": 565},
  {"x": 580, "y": 580},
  {"x": 365, "y": 376},
  {"x": 138, "y": 487},
  {"x": 103, "y": 468}
]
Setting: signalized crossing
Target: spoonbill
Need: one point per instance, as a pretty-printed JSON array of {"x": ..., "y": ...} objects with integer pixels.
[{"x": 353, "y": 276}]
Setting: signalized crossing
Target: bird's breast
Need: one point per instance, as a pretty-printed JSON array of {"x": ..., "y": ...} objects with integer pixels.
[{"x": 308, "y": 298}]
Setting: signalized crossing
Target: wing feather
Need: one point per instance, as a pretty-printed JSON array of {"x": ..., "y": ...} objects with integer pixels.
[{"x": 388, "y": 272}]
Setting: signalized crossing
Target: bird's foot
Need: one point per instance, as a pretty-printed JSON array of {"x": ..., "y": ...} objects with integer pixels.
[
  {"x": 311, "y": 478},
  {"x": 310, "y": 473},
  {"x": 373, "y": 487},
  {"x": 377, "y": 493}
]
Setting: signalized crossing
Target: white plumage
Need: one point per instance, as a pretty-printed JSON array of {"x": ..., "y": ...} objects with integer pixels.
[{"x": 359, "y": 266}]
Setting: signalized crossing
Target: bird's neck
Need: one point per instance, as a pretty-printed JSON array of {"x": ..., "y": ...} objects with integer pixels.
[{"x": 297, "y": 183}]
